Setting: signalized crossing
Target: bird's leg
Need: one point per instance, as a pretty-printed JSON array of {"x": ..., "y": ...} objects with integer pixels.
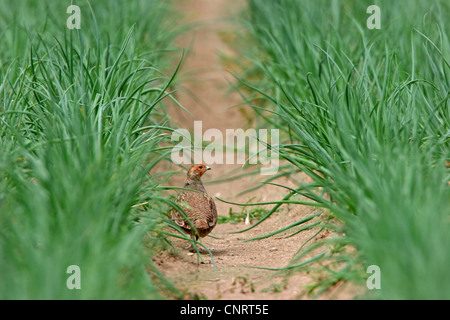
[{"x": 191, "y": 247}]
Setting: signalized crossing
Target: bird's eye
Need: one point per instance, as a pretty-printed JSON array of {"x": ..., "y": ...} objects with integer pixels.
[{"x": 201, "y": 167}]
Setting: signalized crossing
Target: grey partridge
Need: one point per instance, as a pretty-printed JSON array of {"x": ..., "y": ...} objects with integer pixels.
[{"x": 201, "y": 209}]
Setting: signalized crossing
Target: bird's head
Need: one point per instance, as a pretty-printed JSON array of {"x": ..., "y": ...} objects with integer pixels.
[{"x": 197, "y": 170}]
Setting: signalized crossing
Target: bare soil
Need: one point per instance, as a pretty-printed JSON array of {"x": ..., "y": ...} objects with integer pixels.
[{"x": 208, "y": 98}]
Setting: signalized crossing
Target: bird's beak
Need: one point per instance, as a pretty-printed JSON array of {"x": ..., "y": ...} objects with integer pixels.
[{"x": 208, "y": 168}]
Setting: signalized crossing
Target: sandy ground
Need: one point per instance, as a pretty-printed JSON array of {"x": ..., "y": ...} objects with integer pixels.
[{"x": 208, "y": 99}]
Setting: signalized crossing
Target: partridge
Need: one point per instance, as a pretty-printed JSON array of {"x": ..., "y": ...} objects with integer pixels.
[{"x": 201, "y": 209}]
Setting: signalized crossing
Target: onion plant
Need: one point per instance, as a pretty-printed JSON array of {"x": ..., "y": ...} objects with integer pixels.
[
  {"x": 366, "y": 115},
  {"x": 81, "y": 125}
]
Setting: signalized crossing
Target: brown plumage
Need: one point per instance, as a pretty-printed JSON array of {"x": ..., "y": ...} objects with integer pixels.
[{"x": 201, "y": 209}]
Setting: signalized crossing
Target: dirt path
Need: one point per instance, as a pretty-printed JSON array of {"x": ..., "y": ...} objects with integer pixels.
[{"x": 208, "y": 99}]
